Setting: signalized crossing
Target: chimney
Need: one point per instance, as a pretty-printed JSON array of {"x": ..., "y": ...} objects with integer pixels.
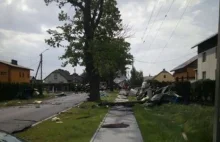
[
  {"x": 164, "y": 70},
  {"x": 14, "y": 62}
]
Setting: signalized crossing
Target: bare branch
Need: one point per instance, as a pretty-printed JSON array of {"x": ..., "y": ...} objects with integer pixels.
[{"x": 125, "y": 33}]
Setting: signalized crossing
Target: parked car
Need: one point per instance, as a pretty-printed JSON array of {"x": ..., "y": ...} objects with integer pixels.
[{"x": 5, "y": 137}]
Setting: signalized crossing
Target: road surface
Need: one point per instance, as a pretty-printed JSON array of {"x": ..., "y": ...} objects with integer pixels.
[{"x": 15, "y": 119}]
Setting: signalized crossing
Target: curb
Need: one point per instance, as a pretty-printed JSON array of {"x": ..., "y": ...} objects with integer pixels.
[
  {"x": 39, "y": 122},
  {"x": 100, "y": 125}
]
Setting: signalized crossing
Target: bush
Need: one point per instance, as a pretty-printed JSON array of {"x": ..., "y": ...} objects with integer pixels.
[
  {"x": 9, "y": 91},
  {"x": 183, "y": 89},
  {"x": 203, "y": 91}
]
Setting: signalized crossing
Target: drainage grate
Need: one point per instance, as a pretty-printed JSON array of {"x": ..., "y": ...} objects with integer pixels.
[{"x": 116, "y": 125}]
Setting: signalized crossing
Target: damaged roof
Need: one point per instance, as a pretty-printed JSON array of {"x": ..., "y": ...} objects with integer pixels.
[
  {"x": 183, "y": 65},
  {"x": 13, "y": 65}
]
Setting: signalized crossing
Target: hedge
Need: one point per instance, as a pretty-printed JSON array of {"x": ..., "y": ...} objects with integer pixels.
[
  {"x": 10, "y": 91},
  {"x": 201, "y": 91}
]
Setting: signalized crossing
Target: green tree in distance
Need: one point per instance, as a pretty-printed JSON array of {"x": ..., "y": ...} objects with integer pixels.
[
  {"x": 136, "y": 77},
  {"x": 92, "y": 37}
]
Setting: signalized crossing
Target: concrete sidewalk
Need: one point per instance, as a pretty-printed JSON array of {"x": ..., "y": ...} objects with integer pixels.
[{"x": 116, "y": 115}]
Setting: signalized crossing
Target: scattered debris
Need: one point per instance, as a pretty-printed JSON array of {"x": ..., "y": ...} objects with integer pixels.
[
  {"x": 61, "y": 95},
  {"x": 59, "y": 122},
  {"x": 37, "y": 102},
  {"x": 155, "y": 96},
  {"x": 56, "y": 119},
  {"x": 133, "y": 92},
  {"x": 185, "y": 136},
  {"x": 123, "y": 93}
]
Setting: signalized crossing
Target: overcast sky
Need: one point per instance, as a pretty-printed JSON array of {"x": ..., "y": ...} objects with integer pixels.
[{"x": 162, "y": 41}]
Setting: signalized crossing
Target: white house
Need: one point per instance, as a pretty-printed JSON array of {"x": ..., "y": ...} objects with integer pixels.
[
  {"x": 58, "y": 76},
  {"x": 207, "y": 59},
  {"x": 62, "y": 76}
]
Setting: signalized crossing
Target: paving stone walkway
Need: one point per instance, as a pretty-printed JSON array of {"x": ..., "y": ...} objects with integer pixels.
[{"x": 118, "y": 115}]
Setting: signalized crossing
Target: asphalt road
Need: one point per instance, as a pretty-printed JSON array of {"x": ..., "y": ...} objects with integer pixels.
[{"x": 15, "y": 119}]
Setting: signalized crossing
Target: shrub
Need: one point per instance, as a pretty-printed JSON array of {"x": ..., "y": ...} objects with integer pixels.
[
  {"x": 9, "y": 91},
  {"x": 203, "y": 91}
]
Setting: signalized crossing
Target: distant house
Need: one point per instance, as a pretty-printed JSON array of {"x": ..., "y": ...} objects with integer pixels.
[
  {"x": 186, "y": 71},
  {"x": 147, "y": 78},
  {"x": 164, "y": 76},
  {"x": 61, "y": 80},
  {"x": 62, "y": 76},
  {"x": 207, "y": 59},
  {"x": 11, "y": 72}
]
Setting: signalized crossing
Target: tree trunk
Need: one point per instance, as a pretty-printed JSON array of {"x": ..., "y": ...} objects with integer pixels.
[
  {"x": 94, "y": 88},
  {"x": 111, "y": 77}
]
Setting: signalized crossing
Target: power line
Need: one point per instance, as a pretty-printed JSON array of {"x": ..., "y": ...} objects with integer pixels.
[
  {"x": 174, "y": 29},
  {"x": 166, "y": 60},
  {"x": 154, "y": 20},
  {"x": 157, "y": 31},
  {"x": 149, "y": 21}
]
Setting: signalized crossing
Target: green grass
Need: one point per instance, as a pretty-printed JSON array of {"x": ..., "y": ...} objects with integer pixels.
[
  {"x": 110, "y": 97},
  {"x": 25, "y": 102},
  {"x": 167, "y": 122},
  {"x": 79, "y": 125},
  {"x": 132, "y": 98}
]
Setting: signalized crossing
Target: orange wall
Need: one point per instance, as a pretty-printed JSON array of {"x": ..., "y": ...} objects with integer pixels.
[
  {"x": 13, "y": 74},
  {"x": 190, "y": 71},
  {"x": 3, "y": 69},
  {"x": 20, "y": 75}
]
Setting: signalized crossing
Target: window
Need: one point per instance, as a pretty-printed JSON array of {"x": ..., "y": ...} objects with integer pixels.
[
  {"x": 164, "y": 76},
  {"x": 55, "y": 76},
  {"x": 22, "y": 74},
  {"x": 203, "y": 75},
  {"x": 204, "y": 57},
  {"x": 19, "y": 74},
  {"x": 3, "y": 73}
]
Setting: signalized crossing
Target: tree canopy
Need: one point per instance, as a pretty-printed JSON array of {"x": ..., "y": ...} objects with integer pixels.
[{"x": 92, "y": 37}]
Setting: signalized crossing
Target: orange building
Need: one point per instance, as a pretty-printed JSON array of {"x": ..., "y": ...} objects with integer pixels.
[
  {"x": 14, "y": 73},
  {"x": 186, "y": 71}
]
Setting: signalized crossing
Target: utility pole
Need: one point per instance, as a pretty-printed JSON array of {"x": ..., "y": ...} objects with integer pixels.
[
  {"x": 216, "y": 124},
  {"x": 41, "y": 62},
  {"x": 41, "y": 76}
]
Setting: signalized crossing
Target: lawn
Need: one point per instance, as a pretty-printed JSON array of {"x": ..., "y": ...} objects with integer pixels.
[
  {"x": 110, "y": 97},
  {"x": 168, "y": 123},
  {"x": 78, "y": 125},
  {"x": 132, "y": 98}
]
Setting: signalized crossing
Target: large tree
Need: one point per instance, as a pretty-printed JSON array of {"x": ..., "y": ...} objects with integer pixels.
[{"x": 87, "y": 35}]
